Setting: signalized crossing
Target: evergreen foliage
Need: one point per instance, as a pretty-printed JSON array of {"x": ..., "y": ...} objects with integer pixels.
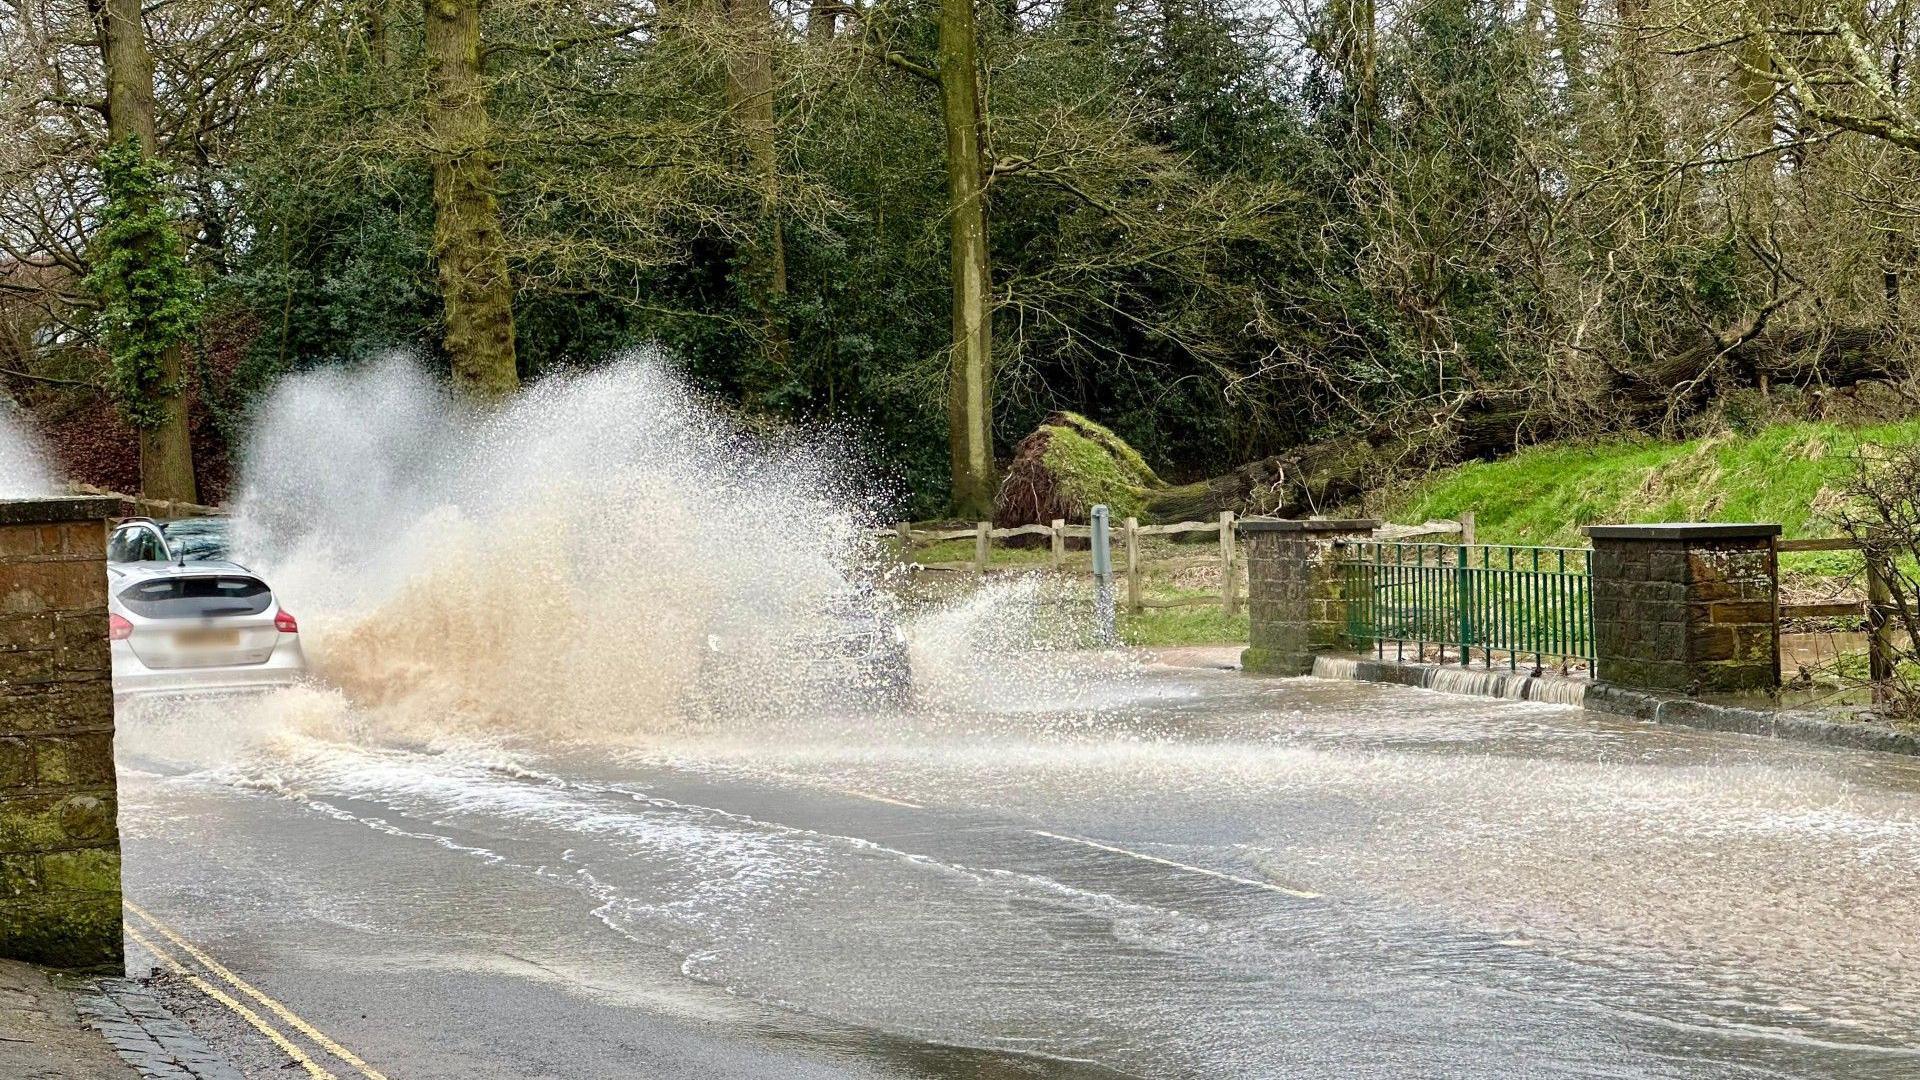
[{"x": 150, "y": 301}]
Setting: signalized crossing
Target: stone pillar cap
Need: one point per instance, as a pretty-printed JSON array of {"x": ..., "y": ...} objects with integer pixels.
[
  {"x": 1682, "y": 530},
  {"x": 58, "y": 508},
  {"x": 1265, "y": 524}
]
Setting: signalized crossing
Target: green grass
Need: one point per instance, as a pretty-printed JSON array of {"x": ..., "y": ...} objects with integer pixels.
[
  {"x": 1203, "y": 624},
  {"x": 961, "y": 551},
  {"x": 1790, "y": 474},
  {"x": 1199, "y": 624}
]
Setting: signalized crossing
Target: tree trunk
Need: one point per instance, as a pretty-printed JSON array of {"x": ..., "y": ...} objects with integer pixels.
[
  {"x": 1569, "y": 34},
  {"x": 823, "y": 20},
  {"x": 970, "y": 376},
  {"x": 166, "y": 450},
  {"x": 750, "y": 95},
  {"x": 1645, "y": 143},
  {"x": 1354, "y": 49},
  {"x": 467, "y": 242},
  {"x": 374, "y": 24}
]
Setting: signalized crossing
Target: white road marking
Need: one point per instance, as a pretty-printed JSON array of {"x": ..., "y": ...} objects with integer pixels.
[{"x": 1298, "y": 894}]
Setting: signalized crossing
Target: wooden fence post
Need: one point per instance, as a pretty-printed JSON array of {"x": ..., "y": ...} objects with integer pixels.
[
  {"x": 1059, "y": 543},
  {"x": 1229, "y": 587},
  {"x": 1133, "y": 565},
  {"x": 905, "y": 529},
  {"x": 1880, "y": 645},
  {"x": 1466, "y": 528},
  {"x": 982, "y": 545}
]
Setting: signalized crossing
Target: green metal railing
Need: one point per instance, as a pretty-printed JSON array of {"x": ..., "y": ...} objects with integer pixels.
[{"x": 1512, "y": 605}]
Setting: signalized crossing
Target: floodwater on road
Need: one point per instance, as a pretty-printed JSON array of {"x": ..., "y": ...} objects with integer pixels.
[{"x": 1144, "y": 872}]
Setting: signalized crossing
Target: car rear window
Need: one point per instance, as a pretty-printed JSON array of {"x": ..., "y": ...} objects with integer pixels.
[
  {"x": 197, "y": 597},
  {"x": 198, "y": 539}
]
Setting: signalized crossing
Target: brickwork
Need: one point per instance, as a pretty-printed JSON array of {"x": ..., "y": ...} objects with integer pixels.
[
  {"x": 1295, "y": 600},
  {"x": 59, "y": 834},
  {"x": 1686, "y": 608}
]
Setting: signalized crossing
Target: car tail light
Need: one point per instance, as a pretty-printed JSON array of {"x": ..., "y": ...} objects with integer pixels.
[
  {"x": 118, "y": 628},
  {"x": 284, "y": 622}
]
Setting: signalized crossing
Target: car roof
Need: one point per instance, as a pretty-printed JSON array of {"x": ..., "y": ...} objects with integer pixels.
[
  {"x": 219, "y": 520},
  {"x": 197, "y": 568}
]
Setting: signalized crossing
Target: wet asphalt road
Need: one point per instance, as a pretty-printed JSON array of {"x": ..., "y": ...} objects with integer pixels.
[{"x": 1166, "y": 873}]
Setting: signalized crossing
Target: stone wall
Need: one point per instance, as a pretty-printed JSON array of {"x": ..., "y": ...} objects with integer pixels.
[
  {"x": 1296, "y": 603},
  {"x": 1686, "y": 608},
  {"x": 59, "y": 834}
]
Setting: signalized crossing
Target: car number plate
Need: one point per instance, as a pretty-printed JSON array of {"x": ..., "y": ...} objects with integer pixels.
[{"x": 206, "y": 639}]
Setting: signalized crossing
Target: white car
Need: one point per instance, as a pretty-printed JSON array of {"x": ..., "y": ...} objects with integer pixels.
[{"x": 210, "y": 626}]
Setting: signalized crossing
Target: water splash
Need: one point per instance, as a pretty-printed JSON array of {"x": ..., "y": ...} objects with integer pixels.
[
  {"x": 562, "y": 564},
  {"x": 1012, "y": 646},
  {"x": 557, "y": 564},
  {"x": 24, "y": 472}
]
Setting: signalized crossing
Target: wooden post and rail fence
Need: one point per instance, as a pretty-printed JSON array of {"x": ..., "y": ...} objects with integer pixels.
[
  {"x": 1875, "y": 607},
  {"x": 1133, "y": 559}
]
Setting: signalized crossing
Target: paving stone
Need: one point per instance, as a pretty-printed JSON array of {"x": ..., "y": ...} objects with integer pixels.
[{"x": 150, "y": 1038}]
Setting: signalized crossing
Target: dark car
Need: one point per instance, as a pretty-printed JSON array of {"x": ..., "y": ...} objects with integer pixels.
[
  {"x": 855, "y": 650},
  {"x": 185, "y": 540}
]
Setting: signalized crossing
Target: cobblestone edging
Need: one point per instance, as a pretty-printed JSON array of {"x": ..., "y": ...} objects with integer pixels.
[
  {"x": 1791, "y": 724},
  {"x": 149, "y": 1037},
  {"x": 1794, "y": 724}
]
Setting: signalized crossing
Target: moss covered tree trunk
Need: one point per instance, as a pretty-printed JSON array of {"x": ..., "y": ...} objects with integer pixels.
[
  {"x": 166, "y": 450},
  {"x": 823, "y": 19},
  {"x": 750, "y": 94},
  {"x": 970, "y": 374},
  {"x": 468, "y": 246}
]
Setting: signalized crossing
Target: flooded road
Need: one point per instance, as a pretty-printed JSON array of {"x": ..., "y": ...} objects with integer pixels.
[{"x": 1165, "y": 873}]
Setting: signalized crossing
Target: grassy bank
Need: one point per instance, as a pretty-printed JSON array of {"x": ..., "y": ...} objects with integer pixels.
[{"x": 1787, "y": 473}]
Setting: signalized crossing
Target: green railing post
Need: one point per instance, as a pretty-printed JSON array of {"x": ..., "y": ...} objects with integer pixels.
[{"x": 1462, "y": 597}]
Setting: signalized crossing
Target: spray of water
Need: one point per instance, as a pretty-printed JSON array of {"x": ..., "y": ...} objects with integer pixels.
[
  {"x": 23, "y": 463},
  {"x": 564, "y": 563},
  {"x": 1012, "y": 647},
  {"x": 605, "y": 554}
]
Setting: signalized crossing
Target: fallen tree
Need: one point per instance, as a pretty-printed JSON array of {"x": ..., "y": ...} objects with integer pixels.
[
  {"x": 1069, "y": 464},
  {"x": 1754, "y": 355}
]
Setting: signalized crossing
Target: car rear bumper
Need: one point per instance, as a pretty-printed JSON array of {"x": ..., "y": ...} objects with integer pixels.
[{"x": 132, "y": 679}]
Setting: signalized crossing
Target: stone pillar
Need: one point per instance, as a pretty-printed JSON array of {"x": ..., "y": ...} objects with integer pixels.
[
  {"x": 1296, "y": 601},
  {"x": 59, "y": 835},
  {"x": 1687, "y": 608}
]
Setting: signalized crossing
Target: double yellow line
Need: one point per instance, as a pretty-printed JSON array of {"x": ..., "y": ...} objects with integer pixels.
[{"x": 287, "y": 1016}]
